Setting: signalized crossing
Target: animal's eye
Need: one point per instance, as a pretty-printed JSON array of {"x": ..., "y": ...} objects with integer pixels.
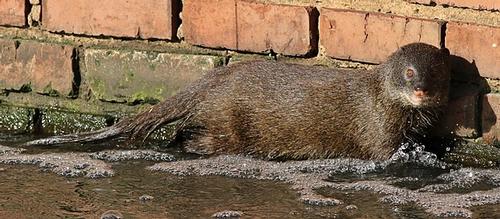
[{"x": 410, "y": 73}]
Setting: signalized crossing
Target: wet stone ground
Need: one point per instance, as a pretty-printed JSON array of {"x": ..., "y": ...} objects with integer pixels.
[{"x": 103, "y": 181}]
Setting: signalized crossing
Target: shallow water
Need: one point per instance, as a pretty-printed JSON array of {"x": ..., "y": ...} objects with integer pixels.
[
  {"x": 30, "y": 193},
  {"x": 62, "y": 183}
]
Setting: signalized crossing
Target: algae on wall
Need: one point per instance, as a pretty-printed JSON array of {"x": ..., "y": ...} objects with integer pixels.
[
  {"x": 141, "y": 77},
  {"x": 16, "y": 119}
]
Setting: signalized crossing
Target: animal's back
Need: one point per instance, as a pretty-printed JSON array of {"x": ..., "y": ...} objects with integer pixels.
[{"x": 273, "y": 110}]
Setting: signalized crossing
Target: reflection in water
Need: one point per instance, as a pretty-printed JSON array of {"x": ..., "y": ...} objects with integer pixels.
[{"x": 30, "y": 193}]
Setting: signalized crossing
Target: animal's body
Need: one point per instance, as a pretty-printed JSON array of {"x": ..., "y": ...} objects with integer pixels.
[{"x": 279, "y": 110}]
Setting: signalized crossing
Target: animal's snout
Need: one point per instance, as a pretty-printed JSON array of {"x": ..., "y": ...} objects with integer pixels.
[{"x": 420, "y": 92}]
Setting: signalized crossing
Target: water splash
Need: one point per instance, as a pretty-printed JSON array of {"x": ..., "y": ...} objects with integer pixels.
[{"x": 415, "y": 153}]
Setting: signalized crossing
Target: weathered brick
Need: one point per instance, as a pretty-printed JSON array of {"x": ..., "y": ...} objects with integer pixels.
[
  {"x": 210, "y": 23},
  {"x": 12, "y": 12},
  {"x": 476, "y": 4},
  {"x": 133, "y": 76},
  {"x": 281, "y": 28},
  {"x": 461, "y": 115},
  {"x": 371, "y": 37},
  {"x": 491, "y": 117},
  {"x": 43, "y": 67},
  {"x": 478, "y": 44},
  {"x": 249, "y": 26},
  {"x": 133, "y": 18}
]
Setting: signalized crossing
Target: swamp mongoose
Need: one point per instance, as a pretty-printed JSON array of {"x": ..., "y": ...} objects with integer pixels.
[{"x": 278, "y": 110}]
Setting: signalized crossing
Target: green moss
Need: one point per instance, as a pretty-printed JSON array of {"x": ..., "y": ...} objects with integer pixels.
[
  {"x": 130, "y": 74},
  {"x": 98, "y": 87},
  {"x": 48, "y": 90},
  {"x": 15, "y": 118},
  {"x": 59, "y": 122},
  {"x": 141, "y": 98},
  {"x": 471, "y": 154},
  {"x": 25, "y": 88},
  {"x": 65, "y": 41},
  {"x": 152, "y": 66},
  {"x": 159, "y": 91},
  {"x": 97, "y": 62}
]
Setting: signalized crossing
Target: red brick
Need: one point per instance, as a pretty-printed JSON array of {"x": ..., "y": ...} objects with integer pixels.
[
  {"x": 132, "y": 18},
  {"x": 371, "y": 37},
  {"x": 43, "y": 66},
  {"x": 461, "y": 116},
  {"x": 477, "y": 44},
  {"x": 210, "y": 23},
  {"x": 12, "y": 12},
  {"x": 283, "y": 29},
  {"x": 476, "y": 4},
  {"x": 248, "y": 26},
  {"x": 8, "y": 64},
  {"x": 491, "y": 118}
]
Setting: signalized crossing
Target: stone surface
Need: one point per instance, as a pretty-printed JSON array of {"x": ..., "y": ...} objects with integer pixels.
[
  {"x": 482, "y": 46},
  {"x": 210, "y": 23},
  {"x": 12, "y": 12},
  {"x": 371, "y": 37},
  {"x": 227, "y": 214},
  {"x": 491, "y": 118},
  {"x": 80, "y": 105},
  {"x": 64, "y": 164},
  {"x": 121, "y": 155},
  {"x": 44, "y": 68},
  {"x": 132, "y": 18},
  {"x": 283, "y": 29},
  {"x": 476, "y": 4},
  {"x": 424, "y": 2},
  {"x": 122, "y": 76}
]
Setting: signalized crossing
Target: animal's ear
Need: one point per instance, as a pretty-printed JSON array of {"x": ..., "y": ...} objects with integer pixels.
[{"x": 445, "y": 51}]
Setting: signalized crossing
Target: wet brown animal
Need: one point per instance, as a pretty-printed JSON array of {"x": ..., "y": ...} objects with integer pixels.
[{"x": 279, "y": 110}]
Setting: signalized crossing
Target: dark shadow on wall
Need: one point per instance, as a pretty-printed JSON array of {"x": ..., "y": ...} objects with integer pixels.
[
  {"x": 462, "y": 118},
  {"x": 176, "y": 19},
  {"x": 488, "y": 120},
  {"x": 467, "y": 81}
]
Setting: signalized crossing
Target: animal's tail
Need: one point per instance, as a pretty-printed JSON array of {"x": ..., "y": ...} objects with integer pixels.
[
  {"x": 139, "y": 126},
  {"x": 176, "y": 108}
]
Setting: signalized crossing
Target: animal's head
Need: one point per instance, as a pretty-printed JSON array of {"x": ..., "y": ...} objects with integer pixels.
[{"x": 419, "y": 75}]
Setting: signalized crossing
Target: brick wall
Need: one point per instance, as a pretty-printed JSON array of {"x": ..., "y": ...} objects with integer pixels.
[{"x": 72, "y": 54}]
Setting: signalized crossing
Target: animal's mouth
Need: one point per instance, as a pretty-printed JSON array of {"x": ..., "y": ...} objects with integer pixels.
[{"x": 420, "y": 100}]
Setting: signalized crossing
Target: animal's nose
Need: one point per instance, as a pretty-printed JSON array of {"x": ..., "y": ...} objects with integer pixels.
[{"x": 420, "y": 92}]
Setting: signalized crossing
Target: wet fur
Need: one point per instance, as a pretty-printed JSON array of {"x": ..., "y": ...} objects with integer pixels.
[{"x": 280, "y": 110}]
